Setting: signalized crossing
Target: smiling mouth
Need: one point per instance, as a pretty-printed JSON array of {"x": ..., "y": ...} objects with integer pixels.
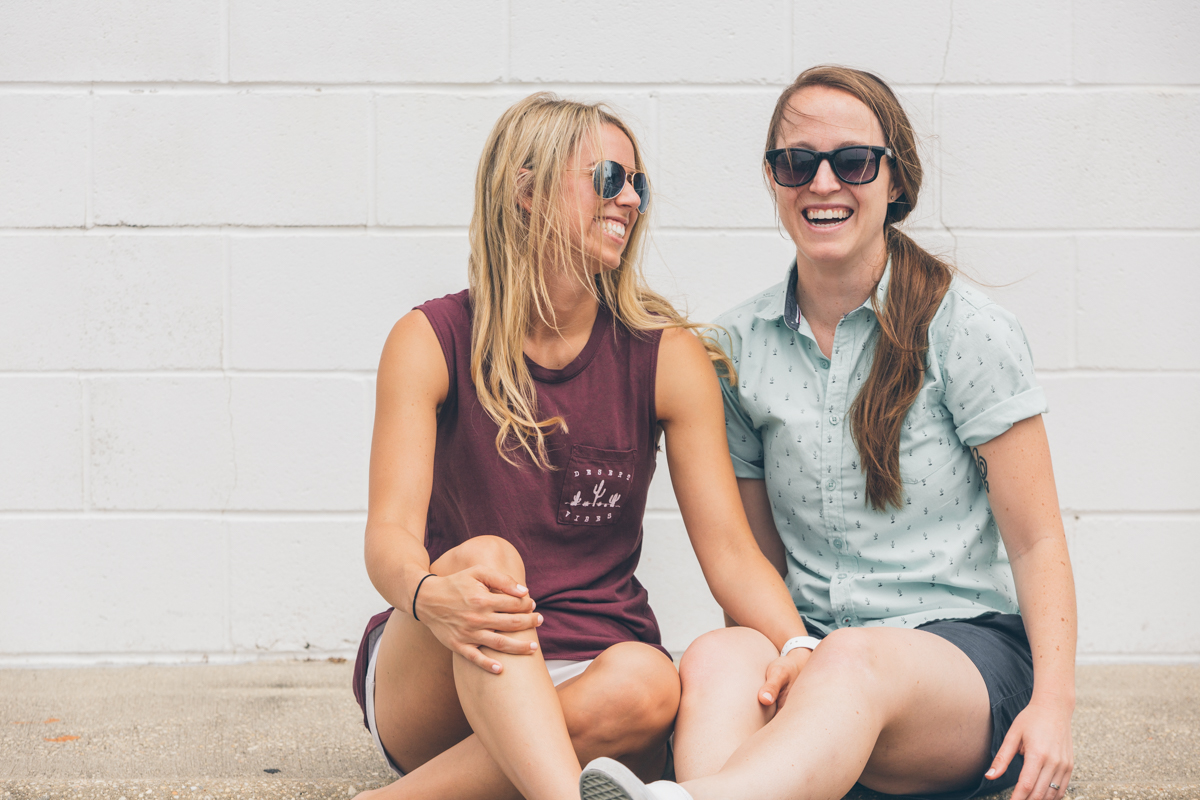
[
  {"x": 827, "y": 217},
  {"x": 611, "y": 226}
]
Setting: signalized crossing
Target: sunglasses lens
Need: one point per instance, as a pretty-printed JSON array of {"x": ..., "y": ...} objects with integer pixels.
[
  {"x": 856, "y": 165},
  {"x": 642, "y": 187},
  {"x": 610, "y": 179},
  {"x": 794, "y": 167}
]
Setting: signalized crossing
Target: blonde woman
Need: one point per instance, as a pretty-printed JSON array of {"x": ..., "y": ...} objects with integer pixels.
[
  {"x": 885, "y": 426},
  {"x": 515, "y": 436}
]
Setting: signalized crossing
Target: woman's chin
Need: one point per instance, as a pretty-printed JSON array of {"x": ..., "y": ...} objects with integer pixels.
[
  {"x": 827, "y": 254},
  {"x": 835, "y": 254},
  {"x": 608, "y": 262}
]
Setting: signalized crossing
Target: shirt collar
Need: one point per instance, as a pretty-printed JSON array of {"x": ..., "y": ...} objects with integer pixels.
[{"x": 780, "y": 302}]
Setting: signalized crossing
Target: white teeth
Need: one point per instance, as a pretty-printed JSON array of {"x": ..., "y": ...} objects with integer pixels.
[
  {"x": 827, "y": 213},
  {"x": 613, "y": 227}
]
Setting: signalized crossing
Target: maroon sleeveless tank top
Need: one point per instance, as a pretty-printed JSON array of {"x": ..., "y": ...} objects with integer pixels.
[{"x": 578, "y": 528}]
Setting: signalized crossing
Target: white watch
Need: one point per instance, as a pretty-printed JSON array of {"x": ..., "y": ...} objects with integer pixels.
[{"x": 809, "y": 642}]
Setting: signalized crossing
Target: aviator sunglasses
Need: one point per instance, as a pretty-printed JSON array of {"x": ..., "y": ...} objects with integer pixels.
[
  {"x": 608, "y": 179},
  {"x": 795, "y": 166}
]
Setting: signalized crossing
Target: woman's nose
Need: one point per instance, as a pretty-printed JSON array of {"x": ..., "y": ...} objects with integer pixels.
[
  {"x": 824, "y": 182},
  {"x": 628, "y": 196}
]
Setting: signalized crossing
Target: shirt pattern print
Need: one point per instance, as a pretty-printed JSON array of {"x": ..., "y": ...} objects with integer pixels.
[{"x": 939, "y": 555}]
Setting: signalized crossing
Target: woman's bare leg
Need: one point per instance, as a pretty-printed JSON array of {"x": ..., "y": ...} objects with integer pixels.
[
  {"x": 902, "y": 711},
  {"x": 722, "y": 672},
  {"x": 623, "y": 706},
  {"x": 428, "y": 702}
]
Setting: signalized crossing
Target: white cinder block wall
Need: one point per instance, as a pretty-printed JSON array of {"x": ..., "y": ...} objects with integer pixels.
[{"x": 212, "y": 211}]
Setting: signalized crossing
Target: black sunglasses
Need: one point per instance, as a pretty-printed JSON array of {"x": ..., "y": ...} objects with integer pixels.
[
  {"x": 795, "y": 166},
  {"x": 608, "y": 179}
]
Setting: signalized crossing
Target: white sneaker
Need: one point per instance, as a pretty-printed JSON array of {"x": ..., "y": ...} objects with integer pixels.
[{"x": 606, "y": 779}]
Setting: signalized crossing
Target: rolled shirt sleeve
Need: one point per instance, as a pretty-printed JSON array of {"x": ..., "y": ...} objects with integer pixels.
[{"x": 990, "y": 384}]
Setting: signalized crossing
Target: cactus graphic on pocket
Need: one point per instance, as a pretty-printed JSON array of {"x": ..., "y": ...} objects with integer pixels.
[{"x": 594, "y": 484}]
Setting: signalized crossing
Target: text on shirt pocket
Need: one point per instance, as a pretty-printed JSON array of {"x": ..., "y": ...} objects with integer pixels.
[{"x": 596, "y": 484}]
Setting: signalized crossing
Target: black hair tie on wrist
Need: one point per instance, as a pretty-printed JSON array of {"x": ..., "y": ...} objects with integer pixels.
[{"x": 417, "y": 592}]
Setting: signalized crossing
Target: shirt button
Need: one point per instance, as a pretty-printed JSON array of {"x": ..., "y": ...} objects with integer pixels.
[
  {"x": 831, "y": 484},
  {"x": 833, "y": 419},
  {"x": 841, "y": 575},
  {"x": 838, "y": 543},
  {"x": 824, "y": 363}
]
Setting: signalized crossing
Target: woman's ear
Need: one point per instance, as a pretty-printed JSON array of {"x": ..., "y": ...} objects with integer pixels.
[
  {"x": 769, "y": 176},
  {"x": 525, "y": 189}
]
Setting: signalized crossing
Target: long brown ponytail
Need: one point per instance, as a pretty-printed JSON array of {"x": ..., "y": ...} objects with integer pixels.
[{"x": 917, "y": 284}]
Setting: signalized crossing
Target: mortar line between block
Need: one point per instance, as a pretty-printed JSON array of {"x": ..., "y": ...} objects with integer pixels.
[
  {"x": 368, "y": 373},
  {"x": 168, "y": 658},
  {"x": 661, "y": 513},
  {"x": 249, "y": 231},
  {"x": 198, "y": 374},
  {"x": 310, "y": 88},
  {"x": 212, "y": 515},
  {"x": 188, "y": 658}
]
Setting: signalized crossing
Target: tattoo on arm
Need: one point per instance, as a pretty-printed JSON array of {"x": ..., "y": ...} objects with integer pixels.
[{"x": 981, "y": 462}]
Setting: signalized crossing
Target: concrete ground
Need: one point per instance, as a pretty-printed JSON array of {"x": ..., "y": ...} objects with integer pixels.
[{"x": 292, "y": 730}]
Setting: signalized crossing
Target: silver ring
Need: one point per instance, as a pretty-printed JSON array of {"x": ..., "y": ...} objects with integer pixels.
[{"x": 1054, "y": 786}]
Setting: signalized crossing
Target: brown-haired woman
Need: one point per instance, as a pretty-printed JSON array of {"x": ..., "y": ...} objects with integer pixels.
[
  {"x": 515, "y": 435},
  {"x": 886, "y": 431}
]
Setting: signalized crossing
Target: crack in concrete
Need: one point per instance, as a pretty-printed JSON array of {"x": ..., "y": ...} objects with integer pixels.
[{"x": 949, "y": 38}]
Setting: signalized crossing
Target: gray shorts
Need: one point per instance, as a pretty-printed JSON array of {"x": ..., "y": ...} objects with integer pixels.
[{"x": 997, "y": 646}]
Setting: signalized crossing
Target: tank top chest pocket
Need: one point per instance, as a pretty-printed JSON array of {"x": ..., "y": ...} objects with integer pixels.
[{"x": 596, "y": 485}]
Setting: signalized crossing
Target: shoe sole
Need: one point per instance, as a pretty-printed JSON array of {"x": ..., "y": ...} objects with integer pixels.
[
  {"x": 599, "y": 786},
  {"x": 603, "y": 781}
]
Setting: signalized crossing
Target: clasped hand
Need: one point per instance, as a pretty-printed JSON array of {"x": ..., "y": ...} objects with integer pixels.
[
  {"x": 781, "y": 674},
  {"x": 476, "y": 608}
]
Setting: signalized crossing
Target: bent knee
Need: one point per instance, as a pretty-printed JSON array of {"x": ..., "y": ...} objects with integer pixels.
[
  {"x": 630, "y": 705},
  {"x": 849, "y": 651},
  {"x": 718, "y": 654},
  {"x": 488, "y": 551}
]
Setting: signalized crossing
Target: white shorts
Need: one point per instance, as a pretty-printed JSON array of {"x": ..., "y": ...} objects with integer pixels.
[{"x": 559, "y": 671}]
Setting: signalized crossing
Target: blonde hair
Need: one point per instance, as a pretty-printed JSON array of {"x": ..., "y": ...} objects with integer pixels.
[{"x": 518, "y": 232}]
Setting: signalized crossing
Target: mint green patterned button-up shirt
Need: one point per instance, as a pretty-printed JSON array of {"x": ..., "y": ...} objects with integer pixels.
[{"x": 937, "y": 556}]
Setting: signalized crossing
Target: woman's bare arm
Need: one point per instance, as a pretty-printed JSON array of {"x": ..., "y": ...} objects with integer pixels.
[
  {"x": 1019, "y": 480},
  {"x": 464, "y": 610},
  {"x": 744, "y": 582},
  {"x": 412, "y": 383},
  {"x": 762, "y": 522},
  {"x": 757, "y": 505}
]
